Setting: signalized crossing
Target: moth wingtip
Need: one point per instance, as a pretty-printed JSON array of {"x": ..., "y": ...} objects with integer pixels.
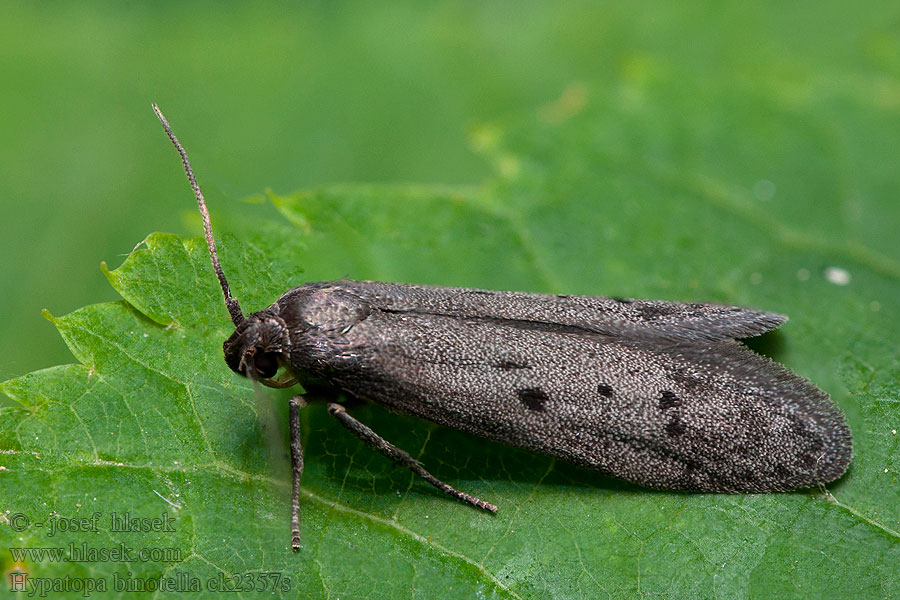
[
  {"x": 843, "y": 453},
  {"x": 836, "y": 459},
  {"x": 772, "y": 320}
]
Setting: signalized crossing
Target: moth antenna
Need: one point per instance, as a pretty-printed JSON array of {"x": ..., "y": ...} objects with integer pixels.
[{"x": 234, "y": 309}]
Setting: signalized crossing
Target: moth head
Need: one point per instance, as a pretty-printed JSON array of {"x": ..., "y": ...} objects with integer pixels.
[{"x": 259, "y": 347}]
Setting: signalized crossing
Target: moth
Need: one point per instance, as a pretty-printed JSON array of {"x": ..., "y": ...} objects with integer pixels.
[{"x": 657, "y": 393}]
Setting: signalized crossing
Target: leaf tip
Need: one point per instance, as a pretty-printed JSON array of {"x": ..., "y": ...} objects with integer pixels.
[
  {"x": 49, "y": 316},
  {"x": 111, "y": 276}
]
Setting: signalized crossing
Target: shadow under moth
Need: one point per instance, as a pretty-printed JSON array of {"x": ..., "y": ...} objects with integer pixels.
[{"x": 657, "y": 393}]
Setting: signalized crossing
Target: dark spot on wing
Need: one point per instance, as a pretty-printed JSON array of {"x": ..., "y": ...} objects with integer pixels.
[
  {"x": 604, "y": 390},
  {"x": 748, "y": 476},
  {"x": 782, "y": 471},
  {"x": 797, "y": 425},
  {"x": 691, "y": 466},
  {"x": 622, "y": 300},
  {"x": 533, "y": 398},
  {"x": 508, "y": 364},
  {"x": 675, "y": 427},
  {"x": 652, "y": 311},
  {"x": 563, "y": 296},
  {"x": 669, "y": 400},
  {"x": 686, "y": 379}
]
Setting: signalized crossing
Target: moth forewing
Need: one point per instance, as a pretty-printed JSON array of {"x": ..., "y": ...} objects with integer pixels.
[
  {"x": 649, "y": 407},
  {"x": 592, "y": 313}
]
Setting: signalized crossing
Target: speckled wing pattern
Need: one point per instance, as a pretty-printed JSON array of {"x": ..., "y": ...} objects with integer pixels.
[{"x": 657, "y": 393}]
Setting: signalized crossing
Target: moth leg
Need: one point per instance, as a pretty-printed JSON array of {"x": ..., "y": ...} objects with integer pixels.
[
  {"x": 376, "y": 442},
  {"x": 296, "y": 403}
]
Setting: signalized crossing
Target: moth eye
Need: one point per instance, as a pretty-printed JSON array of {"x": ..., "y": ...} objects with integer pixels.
[{"x": 266, "y": 364}]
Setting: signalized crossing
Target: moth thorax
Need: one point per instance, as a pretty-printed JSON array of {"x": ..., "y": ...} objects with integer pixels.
[{"x": 334, "y": 309}]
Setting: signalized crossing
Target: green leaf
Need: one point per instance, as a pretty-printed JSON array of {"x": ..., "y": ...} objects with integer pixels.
[{"x": 606, "y": 191}]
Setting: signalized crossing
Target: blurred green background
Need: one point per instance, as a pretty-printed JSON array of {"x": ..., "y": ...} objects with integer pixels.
[{"x": 282, "y": 96}]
